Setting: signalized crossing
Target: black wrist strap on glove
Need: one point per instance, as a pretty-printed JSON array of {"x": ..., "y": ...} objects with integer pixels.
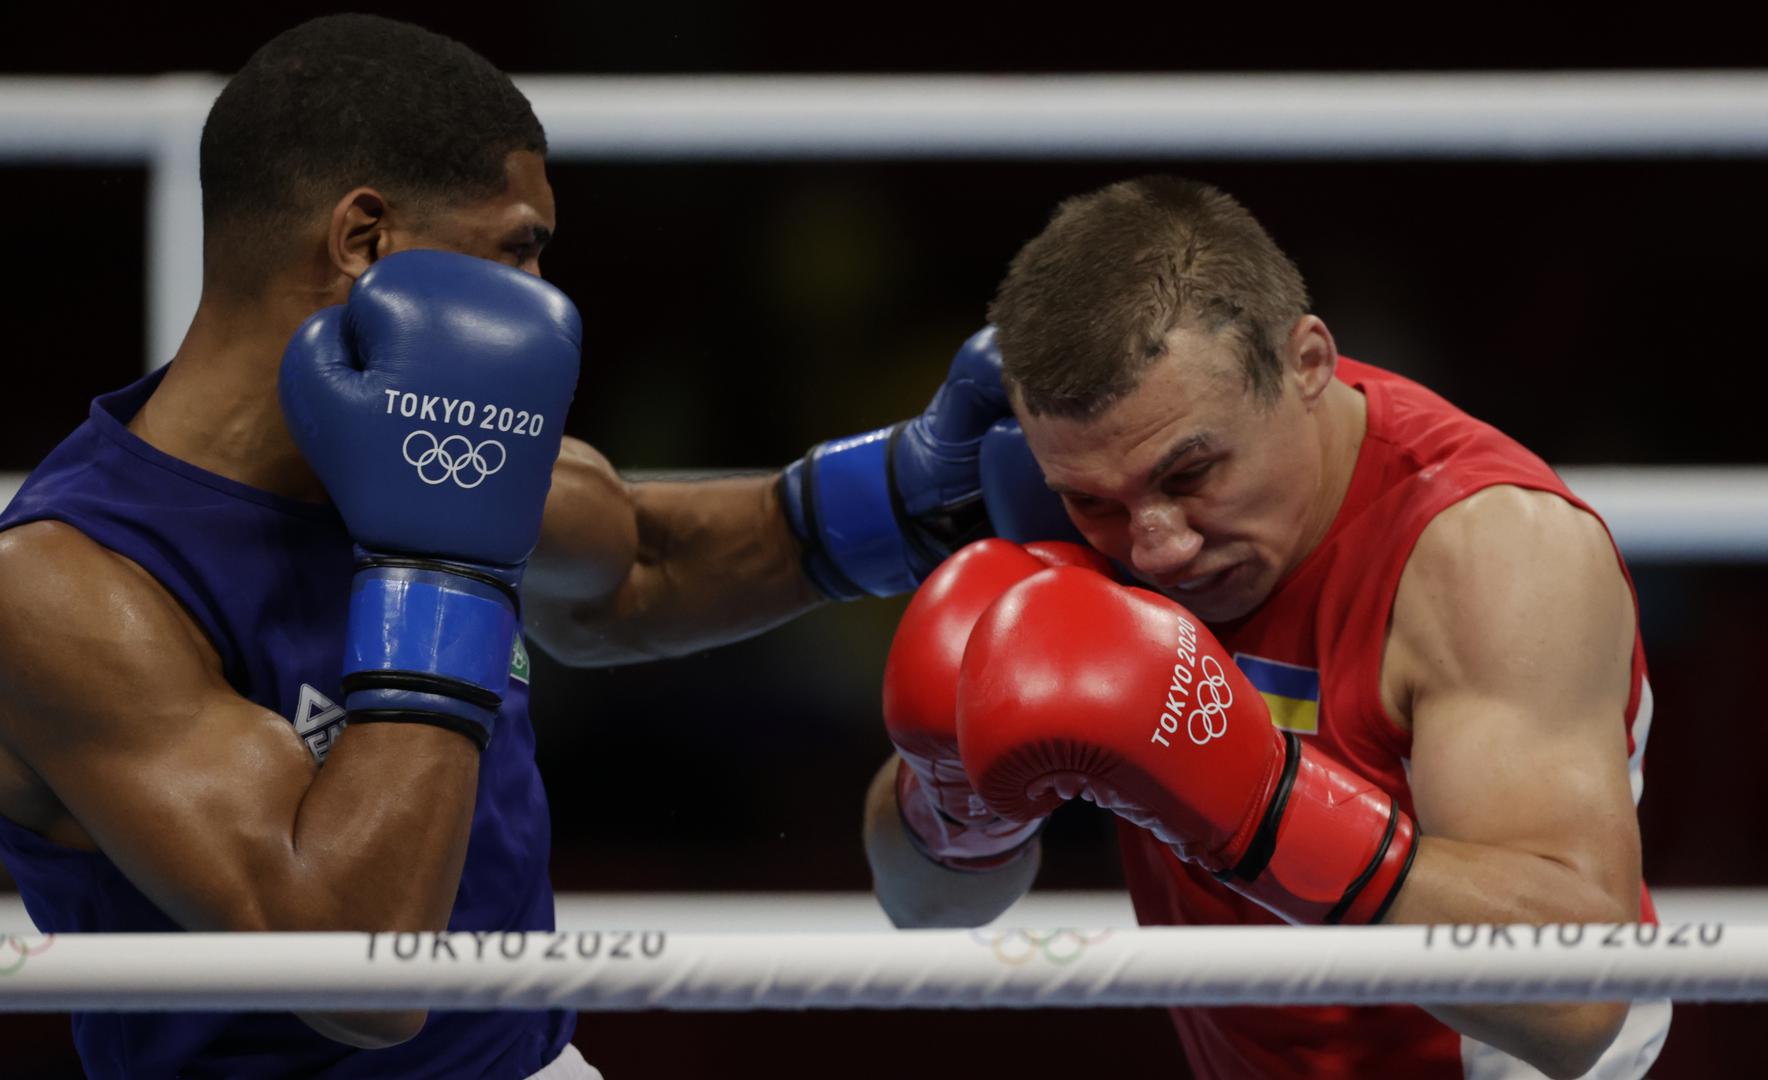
[{"x": 477, "y": 733}]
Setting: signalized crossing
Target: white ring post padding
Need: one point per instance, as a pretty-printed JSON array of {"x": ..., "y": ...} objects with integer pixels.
[{"x": 629, "y": 970}]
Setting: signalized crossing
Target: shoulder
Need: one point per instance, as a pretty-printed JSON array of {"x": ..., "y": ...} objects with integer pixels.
[
  {"x": 1507, "y": 579},
  {"x": 52, "y": 572},
  {"x": 1512, "y": 533},
  {"x": 74, "y": 608},
  {"x": 93, "y": 652},
  {"x": 46, "y": 560}
]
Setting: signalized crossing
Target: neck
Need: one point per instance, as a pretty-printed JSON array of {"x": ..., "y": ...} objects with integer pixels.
[
  {"x": 1344, "y": 418},
  {"x": 217, "y": 407}
]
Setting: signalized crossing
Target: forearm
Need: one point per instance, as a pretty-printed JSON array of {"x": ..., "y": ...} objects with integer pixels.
[
  {"x": 715, "y": 562},
  {"x": 1453, "y": 881},
  {"x": 1456, "y": 882},
  {"x": 380, "y": 836},
  {"x": 916, "y": 892},
  {"x": 377, "y": 842}
]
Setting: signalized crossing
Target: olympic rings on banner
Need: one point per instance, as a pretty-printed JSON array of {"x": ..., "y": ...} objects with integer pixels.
[{"x": 1017, "y": 947}]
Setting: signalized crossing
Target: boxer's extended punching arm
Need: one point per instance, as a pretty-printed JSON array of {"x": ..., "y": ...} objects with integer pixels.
[
  {"x": 1511, "y": 647},
  {"x": 211, "y": 805},
  {"x": 633, "y": 572},
  {"x": 629, "y": 572}
]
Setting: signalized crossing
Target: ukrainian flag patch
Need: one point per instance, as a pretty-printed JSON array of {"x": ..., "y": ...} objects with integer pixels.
[{"x": 1292, "y": 692}]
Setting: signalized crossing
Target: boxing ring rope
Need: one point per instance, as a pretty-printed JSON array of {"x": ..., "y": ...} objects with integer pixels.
[
  {"x": 1659, "y": 514},
  {"x": 156, "y": 121},
  {"x": 632, "y": 970}
]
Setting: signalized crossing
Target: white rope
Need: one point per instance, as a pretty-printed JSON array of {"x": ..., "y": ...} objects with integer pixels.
[
  {"x": 1668, "y": 513},
  {"x": 625, "y": 970},
  {"x": 1233, "y": 116},
  {"x": 1476, "y": 115},
  {"x": 1482, "y": 114},
  {"x": 824, "y": 911}
]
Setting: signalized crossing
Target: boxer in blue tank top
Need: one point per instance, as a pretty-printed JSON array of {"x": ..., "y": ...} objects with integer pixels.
[
  {"x": 266, "y": 579},
  {"x": 216, "y": 709}
]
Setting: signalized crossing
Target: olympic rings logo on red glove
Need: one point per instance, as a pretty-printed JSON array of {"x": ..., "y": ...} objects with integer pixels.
[
  {"x": 446, "y": 459},
  {"x": 1212, "y": 715}
]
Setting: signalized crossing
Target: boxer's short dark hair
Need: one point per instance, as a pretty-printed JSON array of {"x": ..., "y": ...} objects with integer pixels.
[
  {"x": 1086, "y": 306},
  {"x": 350, "y": 100}
]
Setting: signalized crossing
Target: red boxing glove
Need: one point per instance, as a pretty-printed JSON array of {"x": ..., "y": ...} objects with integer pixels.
[
  {"x": 944, "y": 815},
  {"x": 1074, "y": 685}
]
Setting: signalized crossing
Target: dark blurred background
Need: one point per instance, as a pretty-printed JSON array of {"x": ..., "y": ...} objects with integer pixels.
[{"x": 1601, "y": 311}]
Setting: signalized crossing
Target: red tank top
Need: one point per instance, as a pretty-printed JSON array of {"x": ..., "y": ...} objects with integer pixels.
[{"x": 1314, "y": 649}]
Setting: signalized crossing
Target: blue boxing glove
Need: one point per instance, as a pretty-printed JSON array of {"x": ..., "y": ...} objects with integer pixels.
[
  {"x": 431, "y": 406},
  {"x": 1021, "y": 507},
  {"x": 877, "y": 512}
]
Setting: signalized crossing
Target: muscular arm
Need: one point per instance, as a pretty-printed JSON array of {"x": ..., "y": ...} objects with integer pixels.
[
  {"x": 631, "y": 572},
  {"x": 1510, "y": 656},
  {"x": 208, "y": 803}
]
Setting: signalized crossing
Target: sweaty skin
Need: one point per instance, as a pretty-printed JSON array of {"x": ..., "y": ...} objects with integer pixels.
[
  {"x": 1508, "y": 657},
  {"x": 210, "y": 804}
]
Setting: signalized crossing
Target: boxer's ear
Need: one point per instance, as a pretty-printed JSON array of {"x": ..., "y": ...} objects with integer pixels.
[
  {"x": 1310, "y": 357},
  {"x": 358, "y": 232}
]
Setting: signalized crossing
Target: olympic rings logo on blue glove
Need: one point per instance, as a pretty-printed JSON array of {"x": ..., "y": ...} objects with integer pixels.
[{"x": 448, "y": 459}]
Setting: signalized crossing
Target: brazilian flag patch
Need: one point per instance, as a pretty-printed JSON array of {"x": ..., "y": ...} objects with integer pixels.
[
  {"x": 519, "y": 661},
  {"x": 1292, "y": 691}
]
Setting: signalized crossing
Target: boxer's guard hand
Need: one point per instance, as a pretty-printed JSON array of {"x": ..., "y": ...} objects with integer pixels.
[
  {"x": 944, "y": 816},
  {"x": 431, "y": 406},
  {"x": 1072, "y": 685}
]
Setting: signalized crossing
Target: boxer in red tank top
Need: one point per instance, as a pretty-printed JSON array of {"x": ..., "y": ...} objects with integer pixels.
[
  {"x": 1436, "y": 702},
  {"x": 1314, "y": 649}
]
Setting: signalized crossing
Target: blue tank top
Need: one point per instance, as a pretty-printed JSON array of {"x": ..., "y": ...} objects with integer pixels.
[{"x": 268, "y": 580}]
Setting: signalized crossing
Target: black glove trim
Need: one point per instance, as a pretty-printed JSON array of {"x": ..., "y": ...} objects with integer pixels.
[
  {"x": 1264, "y": 842},
  {"x": 1357, "y": 886},
  {"x": 914, "y": 535},
  {"x": 477, "y": 733},
  {"x": 422, "y": 683},
  {"x": 1362, "y": 879},
  {"x": 931, "y": 542}
]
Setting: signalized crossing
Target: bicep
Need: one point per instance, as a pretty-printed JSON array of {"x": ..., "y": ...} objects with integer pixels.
[
  {"x": 1517, "y": 627},
  {"x": 114, "y": 699},
  {"x": 1484, "y": 772}
]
